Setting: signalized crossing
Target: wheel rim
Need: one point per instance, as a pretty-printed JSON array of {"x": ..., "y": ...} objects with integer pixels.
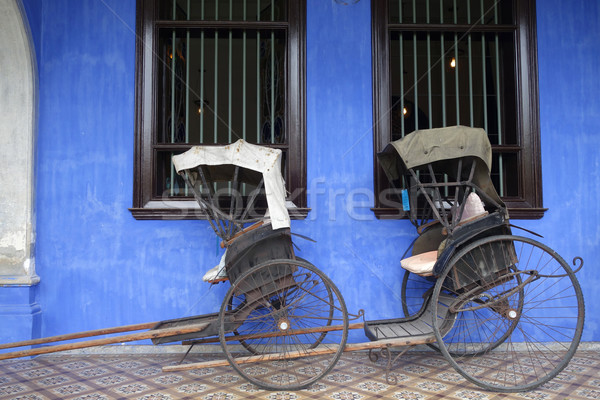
[
  {"x": 414, "y": 292},
  {"x": 519, "y": 331},
  {"x": 281, "y": 324}
]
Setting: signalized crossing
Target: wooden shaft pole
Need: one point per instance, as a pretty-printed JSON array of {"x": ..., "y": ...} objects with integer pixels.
[
  {"x": 79, "y": 335},
  {"x": 250, "y": 359},
  {"x": 327, "y": 349},
  {"x": 331, "y": 328},
  {"x": 100, "y": 342}
]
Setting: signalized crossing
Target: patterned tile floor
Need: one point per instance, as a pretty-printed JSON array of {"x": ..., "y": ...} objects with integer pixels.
[{"x": 134, "y": 376}]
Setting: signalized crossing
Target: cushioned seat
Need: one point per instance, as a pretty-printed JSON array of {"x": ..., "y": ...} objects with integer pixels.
[{"x": 420, "y": 264}]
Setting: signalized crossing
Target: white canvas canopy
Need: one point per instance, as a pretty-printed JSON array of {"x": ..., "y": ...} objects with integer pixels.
[{"x": 264, "y": 160}]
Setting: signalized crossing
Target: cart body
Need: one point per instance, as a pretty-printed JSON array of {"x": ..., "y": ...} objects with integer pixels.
[{"x": 480, "y": 291}]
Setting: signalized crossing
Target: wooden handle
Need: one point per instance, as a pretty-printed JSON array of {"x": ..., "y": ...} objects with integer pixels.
[
  {"x": 79, "y": 335},
  {"x": 421, "y": 228},
  {"x": 152, "y": 334},
  {"x": 247, "y": 229}
]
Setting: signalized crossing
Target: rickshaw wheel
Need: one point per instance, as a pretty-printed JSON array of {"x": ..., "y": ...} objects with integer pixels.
[
  {"x": 513, "y": 290},
  {"x": 317, "y": 340},
  {"x": 290, "y": 323}
]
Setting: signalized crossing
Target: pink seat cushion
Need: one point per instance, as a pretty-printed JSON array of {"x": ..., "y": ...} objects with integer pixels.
[{"x": 420, "y": 264}]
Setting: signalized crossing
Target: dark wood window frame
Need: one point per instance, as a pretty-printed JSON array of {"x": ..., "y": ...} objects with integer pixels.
[
  {"x": 147, "y": 205},
  {"x": 528, "y": 205}
]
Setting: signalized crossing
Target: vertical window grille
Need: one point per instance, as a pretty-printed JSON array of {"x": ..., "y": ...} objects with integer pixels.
[
  {"x": 222, "y": 70},
  {"x": 206, "y": 96},
  {"x": 449, "y": 61},
  {"x": 456, "y": 62}
]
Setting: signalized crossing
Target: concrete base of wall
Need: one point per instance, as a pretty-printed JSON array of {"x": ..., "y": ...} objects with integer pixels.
[{"x": 20, "y": 313}]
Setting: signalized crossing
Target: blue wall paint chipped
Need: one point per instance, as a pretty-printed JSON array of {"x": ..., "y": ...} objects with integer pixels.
[{"x": 100, "y": 267}]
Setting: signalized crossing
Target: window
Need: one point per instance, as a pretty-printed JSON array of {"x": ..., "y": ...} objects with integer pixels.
[
  {"x": 440, "y": 63},
  {"x": 212, "y": 72}
]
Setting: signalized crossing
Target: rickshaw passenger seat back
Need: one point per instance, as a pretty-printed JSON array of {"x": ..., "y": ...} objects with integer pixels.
[
  {"x": 257, "y": 246},
  {"x": 499, "y": 257},
  {"x": 496, "y": 262}
]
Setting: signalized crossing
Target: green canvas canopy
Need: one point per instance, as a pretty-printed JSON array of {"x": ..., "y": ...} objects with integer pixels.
[{"x": 441, "y": 145}]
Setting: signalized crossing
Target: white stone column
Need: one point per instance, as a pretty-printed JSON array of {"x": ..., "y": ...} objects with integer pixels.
[{"x": 18, "y": 87}]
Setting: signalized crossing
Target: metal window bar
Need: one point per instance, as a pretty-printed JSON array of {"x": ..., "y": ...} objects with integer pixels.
[
  {"x": 229, "y": 75},
  {"x": 258, "y": 76},
  {"x": 483, "y": 72},
  {"x": 401, "y": 70},
  {"x": 202, "y": 110},
  {"x": 442, "y": 57},
  {"x": 187, "y": 87},
  {"x": 470, "y": 55},
  {"x": 272, "y": 76},
  {"x": 272, "y": 114},
  {"x": 173, "y": 60},
  {"x": 216, "y": 78},
  {"x": 402, "y": 83},
  {"x": 187, "y": 79},
  {"x": 429, "y": 93},
  {"x": 415, "y": 71},
  {"x": 244, "y": 38},
  {"x": 216, "y": 88},
  {"x": 498, "y": 108},
  {"x": 244, "y": 73},
  {"x": 173, "y": 56},
  {"x": 229, "y": 89},
  {"x": 456, "y": 66}
]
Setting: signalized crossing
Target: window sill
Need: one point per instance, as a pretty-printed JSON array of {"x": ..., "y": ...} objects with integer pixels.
[
  {"x": 185, "y": 210},
  {"x": 514, "y": 213}
]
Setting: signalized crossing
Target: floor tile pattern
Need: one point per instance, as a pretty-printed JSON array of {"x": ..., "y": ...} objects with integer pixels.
[{"x": 418, "y": 376}]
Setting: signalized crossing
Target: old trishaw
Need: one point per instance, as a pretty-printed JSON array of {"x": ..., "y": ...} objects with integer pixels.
[{"x": 505, "y": 311}]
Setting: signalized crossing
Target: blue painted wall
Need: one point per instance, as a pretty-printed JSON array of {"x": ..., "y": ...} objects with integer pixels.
[
  {"x": 100, "y": 267},
  {"x": 569, "y": 53}
]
